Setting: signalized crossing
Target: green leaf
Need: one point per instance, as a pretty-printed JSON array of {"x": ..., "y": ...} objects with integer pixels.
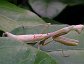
[
  {"x": 72, "y": 56},
  {"x": 47, "y": 8},
  {"x": 13, "y": 52},
  {"x": 12, "y": 16}
]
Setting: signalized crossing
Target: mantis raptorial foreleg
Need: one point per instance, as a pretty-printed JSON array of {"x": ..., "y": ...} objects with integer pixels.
[
  {"x": 66, "y": 41},
  {"x": 63, "y": 40}
]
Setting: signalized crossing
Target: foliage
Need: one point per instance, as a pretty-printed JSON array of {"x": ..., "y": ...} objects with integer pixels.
[
  {"x": 12, "y": 52},
  {"x": 23, "y": 21}
]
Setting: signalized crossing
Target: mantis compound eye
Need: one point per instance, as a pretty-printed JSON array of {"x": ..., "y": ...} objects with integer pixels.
[{"x": 5, "y": 35}]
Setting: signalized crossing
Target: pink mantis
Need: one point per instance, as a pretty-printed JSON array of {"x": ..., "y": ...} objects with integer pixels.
[{"x": 56, "y": 36}]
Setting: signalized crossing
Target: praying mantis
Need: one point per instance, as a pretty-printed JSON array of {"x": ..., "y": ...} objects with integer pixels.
[{"x": 56, "y": 36}]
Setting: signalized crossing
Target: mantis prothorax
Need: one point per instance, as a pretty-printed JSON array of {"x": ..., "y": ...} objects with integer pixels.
[{"x": 56, "y": 36}]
